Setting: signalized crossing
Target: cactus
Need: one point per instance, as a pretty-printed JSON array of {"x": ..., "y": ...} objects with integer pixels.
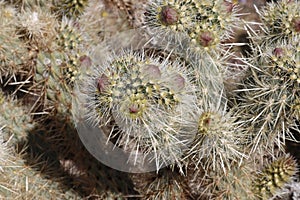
[
  {"x": 280, "y": 20},
  {"x": 101, "y": 21},
  {"x": 270, "y": 95},
  {"x": 164, "y": 18},
  {"x": 164, "y": 185},
  {"x": 14, "y": 55},
  {"x": 53, "y": 92},
  {"x": 129, "y": 90},
  {"x": 70, "y": 8},
  {"x": 196, "y": 32},
  {"x": 15, "y": 120},
  {"x": 200, "y": 28},
  {"x": 18, "y": 179},
  {"x": 217, "y": 143},
  {"x": 274, "y": 176},
  {"x": 38, "y": 27},
  {"x": 155, "y": 91},
  {"x": 57, "y": 67},
  {"x": 215, "y": 184}
]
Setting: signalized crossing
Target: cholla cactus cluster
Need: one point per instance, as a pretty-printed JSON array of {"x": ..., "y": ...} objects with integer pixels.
[
  {"x": 129, "y": 90},
  {"x": 152, "y": 76},
  {"x": 193, "y": 24},
  {"x": 270, "y": 93}
]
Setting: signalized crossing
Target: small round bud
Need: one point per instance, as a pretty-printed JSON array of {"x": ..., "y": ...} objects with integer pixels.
[
  {"x": 168, "y": 15},
  {"x": 102, "y": 83},
  {"x": 151, "y": 72},
  {"x": 278, "y": 52},
  {"x": 204, "y": 122},
  {"x": 178, "y": 82},
  {"x": 133, "y": 109},
  {"x": 296, "y": 24},
  {"x": 205, "y": 38},
  {"x": 85, "y": 61}
]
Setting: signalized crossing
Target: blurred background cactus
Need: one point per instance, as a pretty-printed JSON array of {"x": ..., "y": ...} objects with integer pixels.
[{"x": 207, "y": 90}]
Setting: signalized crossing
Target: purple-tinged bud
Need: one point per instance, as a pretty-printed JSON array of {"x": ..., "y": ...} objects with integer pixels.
[
  {"x": 278, "y": 52},
  {"x": 206, "y": 38},
  {"x": 102, "y": 83},
  {"x": 85, "y": 61},
  {"x": 296, "y": 24},
  {"x": 168, "y": 15},
  {"x": 133, "y": 109},
  {"x": 178, "y": 82},
  {"x": 151, "y": 72}
]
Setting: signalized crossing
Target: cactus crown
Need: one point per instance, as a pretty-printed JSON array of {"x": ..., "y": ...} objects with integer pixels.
[
  {"x": 281, "y": 19},
  {"x": 274, "y": 176}
]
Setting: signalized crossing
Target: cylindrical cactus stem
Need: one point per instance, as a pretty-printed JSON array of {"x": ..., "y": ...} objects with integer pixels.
[
  {"x": 69, "y": 37},
  {"x": 269, "y": 99},
  {"x": 50, "y": 84},
  {"x": 57, "y": 69},
  {"x": 15, "y": 120},
  {"x": 19, "y": 180},
  {"x": 218, "y": 141}
]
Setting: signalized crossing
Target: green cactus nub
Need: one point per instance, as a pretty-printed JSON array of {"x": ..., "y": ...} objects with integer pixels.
[{"x": 274, "y": 177}]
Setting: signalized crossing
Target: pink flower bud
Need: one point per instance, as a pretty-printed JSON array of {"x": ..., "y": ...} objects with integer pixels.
[
  {"x": 102, "y": 83},
  {"x": 205, "y": 38},
  {"x": 278, "y": 52},
  {"x": 169, "y": 16}
]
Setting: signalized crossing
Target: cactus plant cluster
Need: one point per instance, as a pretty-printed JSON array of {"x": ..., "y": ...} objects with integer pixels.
[
  {"x": 152, "y": 77},
  {"x": 202, "y": 25},
  {"x": 129, "y": 90},
  {"x": 20, "y": 181},
  {"x": 270, "y": 93}
]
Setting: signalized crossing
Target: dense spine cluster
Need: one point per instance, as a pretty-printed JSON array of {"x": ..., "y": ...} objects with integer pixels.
[
  {"x": 270, "y": 93},
  {"x": 15, "y": 120},
  {"x": 274, "y": 177},
  {"x": 14, "y": 54},
  {"x": 281, "y": 20},
  {"x": 199, "y": 26},
  {"x": 270, "y": 98},
  {"x": 216, "y": 145},
  {"x": 70, "y": 8}
]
